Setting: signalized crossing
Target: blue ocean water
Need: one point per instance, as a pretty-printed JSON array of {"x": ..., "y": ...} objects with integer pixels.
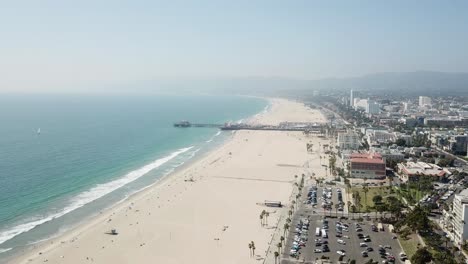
[{"x": 65, "y": 157}]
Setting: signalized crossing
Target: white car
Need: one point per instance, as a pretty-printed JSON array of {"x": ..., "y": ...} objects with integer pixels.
[
  {"x": 362, "y": 244},
  {"x": 341, "y": 253},
  {"x": 341, "y": 241},
  {"x": 317, "y": 250}
]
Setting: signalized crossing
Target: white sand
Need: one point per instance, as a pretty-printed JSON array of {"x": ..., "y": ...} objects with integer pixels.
[{"x": 210, "y": 220}]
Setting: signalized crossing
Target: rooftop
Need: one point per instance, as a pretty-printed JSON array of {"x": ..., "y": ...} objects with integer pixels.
[
  {"x": 423, "y": 169},
  {"x": 375, "y": 158}
]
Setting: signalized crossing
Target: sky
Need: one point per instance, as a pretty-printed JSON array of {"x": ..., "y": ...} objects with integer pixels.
[{"x": 66, "y": 44}]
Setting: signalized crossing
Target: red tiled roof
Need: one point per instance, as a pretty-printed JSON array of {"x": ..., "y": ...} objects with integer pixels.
[
  {"x": 367, "y": 160},
  {"x": 366, "y": 155}
]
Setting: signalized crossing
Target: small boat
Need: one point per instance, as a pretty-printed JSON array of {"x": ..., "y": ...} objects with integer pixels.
[{"x": 39, "y": 131}]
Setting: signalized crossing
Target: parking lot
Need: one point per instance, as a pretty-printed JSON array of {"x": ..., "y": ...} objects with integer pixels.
[{"x": 347, "y": 232}]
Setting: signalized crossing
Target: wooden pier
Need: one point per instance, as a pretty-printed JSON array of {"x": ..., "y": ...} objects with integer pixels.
[{"x": 285, "y": 126}]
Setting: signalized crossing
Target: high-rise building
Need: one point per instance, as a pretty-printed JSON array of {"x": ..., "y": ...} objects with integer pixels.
[
  {"x": 458, "y": 144},
  {"x": 351, "y": 99},
  {"x": 424, "y": 101},
  {"x": 406, "y": 106},
  {"x": 460, "y": 217},
  {"x": 372, "y": 107}
]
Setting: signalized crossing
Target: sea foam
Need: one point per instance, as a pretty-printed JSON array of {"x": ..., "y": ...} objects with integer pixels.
[
  {"x": 88, "y": 196},
  {"x": 213, "y": 137},
  {"x": 2, "y": 250}
]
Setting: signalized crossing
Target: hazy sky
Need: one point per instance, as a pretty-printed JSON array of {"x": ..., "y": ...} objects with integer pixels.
[{"x": 69, "y": 43}]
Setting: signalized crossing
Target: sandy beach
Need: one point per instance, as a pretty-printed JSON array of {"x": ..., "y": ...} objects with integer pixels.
[{"x": 207, "y": 212}]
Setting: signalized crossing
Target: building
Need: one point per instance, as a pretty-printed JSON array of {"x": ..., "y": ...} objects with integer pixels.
[
  {"x": 458, "y": 144},
  {"x": 406, "y": 107},
  {"x": 412, "y": 171},
  {"x": 460, "y": 217},
  {"x": 348, "y": 140},
  {"x": 360, "y": 104},
  {"x": 377, "y": 137},
  {"x": 390, "y": 154},
  {"x": 424, "y": 101},
  {"x": 351, "y": 99},
  {"x": 367, "y": 165},
  {"x": 446, "y": 121},
  {"x": 372, "y": 107}
]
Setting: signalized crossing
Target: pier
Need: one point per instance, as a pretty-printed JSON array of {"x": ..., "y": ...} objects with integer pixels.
[{"x": 284, "y": 126}]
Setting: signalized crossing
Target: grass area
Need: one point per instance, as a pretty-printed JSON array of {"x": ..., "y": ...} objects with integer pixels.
[
  {"x": 373, "y": 191},
  {"x": 412, "y": 195},
  {"x": 409, "y": 245}
]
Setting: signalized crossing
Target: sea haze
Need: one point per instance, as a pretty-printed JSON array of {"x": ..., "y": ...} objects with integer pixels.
[{"x": 64, "y": 158}]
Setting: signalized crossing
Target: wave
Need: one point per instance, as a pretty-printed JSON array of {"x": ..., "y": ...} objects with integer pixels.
[
  {"x": 212, "y": 138},
  {"x": 88, "y": 196},
  {"x": 2, "y": 250}
]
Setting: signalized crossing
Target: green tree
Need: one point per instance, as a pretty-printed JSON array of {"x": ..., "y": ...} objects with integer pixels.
[
  {"x": 400, "y": 142},
  {"x": 417, "y": 219},
  {"x": 377, "y": 199},
  {"x": 421, "y": 256}
]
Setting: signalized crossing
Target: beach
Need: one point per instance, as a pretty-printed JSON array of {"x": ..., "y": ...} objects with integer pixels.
[{"x": 207, "y": 212}]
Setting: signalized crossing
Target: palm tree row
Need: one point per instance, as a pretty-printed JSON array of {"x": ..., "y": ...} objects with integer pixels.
[
  {"x": 252, "y": 248},
  {"x": 264, "y": 218}
]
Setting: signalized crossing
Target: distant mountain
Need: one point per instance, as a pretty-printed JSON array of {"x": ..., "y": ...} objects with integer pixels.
[
  {"x": 395, "y": 84},
  {"x": 401, "y": 84},
  {"x": 407, "y": 83}
]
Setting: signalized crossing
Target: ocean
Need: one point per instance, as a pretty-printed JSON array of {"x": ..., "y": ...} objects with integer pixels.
[{"x": 63, "y": 158}]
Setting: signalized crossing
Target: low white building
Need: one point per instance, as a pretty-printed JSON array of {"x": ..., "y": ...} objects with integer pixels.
[
  {"x": 348, "y": 140},
  {"x": 460, "y": 217}
]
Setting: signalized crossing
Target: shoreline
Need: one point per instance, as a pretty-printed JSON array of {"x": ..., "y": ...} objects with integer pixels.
[
  {"x": 69, "y": 237},
  {"x": 84, "y": 223}
]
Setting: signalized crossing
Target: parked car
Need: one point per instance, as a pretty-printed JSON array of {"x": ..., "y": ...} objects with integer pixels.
[{"x": 341, "y": 252}]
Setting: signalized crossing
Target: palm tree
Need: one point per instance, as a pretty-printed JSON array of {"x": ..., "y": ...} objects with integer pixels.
[
  {"x": 253, "y": 247},
  {"x": 261, "y": 219},
  {"x": 286, "y": 228},
  {"x": 282, "y": 239},
  {"x": 353, "y": 210},
  {"x": 250, "y": 249},
  {"x": 290, "y": 212},
  {"x": 267, "y": 214},
  {"x": 279, "y": 245},
  {"x": 365, "y": 189},
  {"x": 276, "y": 257}
]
